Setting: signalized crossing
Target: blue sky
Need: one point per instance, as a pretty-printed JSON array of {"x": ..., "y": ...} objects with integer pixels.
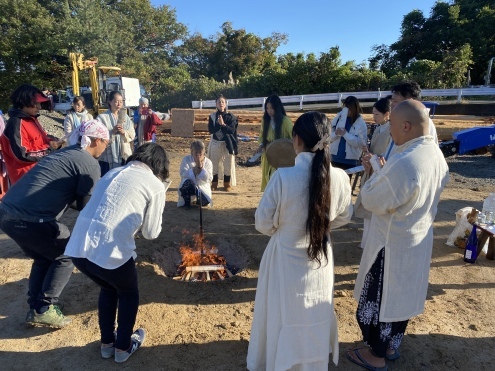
[{"x": 312, "y": 25}]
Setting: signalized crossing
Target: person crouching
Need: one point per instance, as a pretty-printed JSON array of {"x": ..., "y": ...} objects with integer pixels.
[{"x": 196, "y": 172}]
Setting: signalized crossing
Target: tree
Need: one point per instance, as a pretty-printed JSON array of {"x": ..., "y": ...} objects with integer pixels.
[
  {"x": 450, "y": 26},
  {"x": 243, "y": 53},
  {"x": 412, "y": 38},
  {"x": 454, "y": 67},
  {"x": 196, "y": 54},
  {"x": 24, "y": 55}
]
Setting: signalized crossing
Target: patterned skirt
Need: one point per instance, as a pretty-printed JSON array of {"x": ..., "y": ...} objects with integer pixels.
[{"x": 378, "y": 335}]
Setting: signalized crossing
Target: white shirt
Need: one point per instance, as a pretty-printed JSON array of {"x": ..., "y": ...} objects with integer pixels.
[
  {"x": 125, "y": 200},
  {"x": 403, "y": 198},
  {"x": 202, "y": 180}
]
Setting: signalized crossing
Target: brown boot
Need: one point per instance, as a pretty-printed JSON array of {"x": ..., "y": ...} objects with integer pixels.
[
  {"x": 227, "y": 187},
  {"x": 214, "y": 186}
]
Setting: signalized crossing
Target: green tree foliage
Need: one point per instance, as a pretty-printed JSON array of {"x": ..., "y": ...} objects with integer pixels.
[
  {"x": 460, "y": 28},
  {"x": 24, "y": 55},
  {"x": 231, "y": 52}
]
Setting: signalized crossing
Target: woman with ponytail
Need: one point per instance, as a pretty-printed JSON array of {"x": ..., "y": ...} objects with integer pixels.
[{"x": 294, "y": 324}]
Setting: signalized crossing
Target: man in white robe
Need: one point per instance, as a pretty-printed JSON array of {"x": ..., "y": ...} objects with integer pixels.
[{"x": 403, "y": 197}]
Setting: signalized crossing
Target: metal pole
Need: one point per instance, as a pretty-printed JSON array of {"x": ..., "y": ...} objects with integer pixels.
[{"x": 200, "y": 197}]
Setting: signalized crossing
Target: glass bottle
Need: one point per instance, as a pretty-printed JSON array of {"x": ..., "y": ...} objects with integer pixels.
[{"x": 471, "y": 251}]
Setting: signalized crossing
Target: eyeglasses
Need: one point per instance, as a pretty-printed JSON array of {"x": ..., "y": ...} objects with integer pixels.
[{"x": 105, "y": 141}]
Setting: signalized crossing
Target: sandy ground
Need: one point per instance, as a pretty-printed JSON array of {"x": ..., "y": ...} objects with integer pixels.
[{"x": 207, "y": 325}]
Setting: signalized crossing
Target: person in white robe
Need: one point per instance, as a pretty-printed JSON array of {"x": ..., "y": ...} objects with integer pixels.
[
  {"x": 196, "y": 173},
  {"x": 380, "y": 141},
  {"x": 402, "y": 196},
  {"x": 294, "y": 324}
]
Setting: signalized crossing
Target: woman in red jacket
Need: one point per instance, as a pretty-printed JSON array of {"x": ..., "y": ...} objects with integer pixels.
[{"x": 24, "y": 142}]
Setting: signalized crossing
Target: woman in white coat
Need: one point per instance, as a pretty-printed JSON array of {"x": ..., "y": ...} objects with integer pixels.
[
  {"x": 349, "y": 135},
  {"x": 294, "y": 324}
]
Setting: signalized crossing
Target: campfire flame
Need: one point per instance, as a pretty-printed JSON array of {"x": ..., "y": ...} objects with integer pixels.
[{"x": 201, "y": 254}]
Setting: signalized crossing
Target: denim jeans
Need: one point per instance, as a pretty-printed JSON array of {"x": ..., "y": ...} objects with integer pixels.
[
  {"x": 119, "y": 288},
  {"x": 188, "y": 189},
  {"x": 45, "y": 243}
]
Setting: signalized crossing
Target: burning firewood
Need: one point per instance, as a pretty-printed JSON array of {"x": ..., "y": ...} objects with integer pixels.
[{"x": 201, "y": 259}]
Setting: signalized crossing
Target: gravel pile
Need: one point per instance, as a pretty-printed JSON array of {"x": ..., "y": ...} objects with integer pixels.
[{"x": 52, "y": 122}]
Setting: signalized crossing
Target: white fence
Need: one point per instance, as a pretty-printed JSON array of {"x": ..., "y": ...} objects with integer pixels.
[{"x": 338, "y": 97}]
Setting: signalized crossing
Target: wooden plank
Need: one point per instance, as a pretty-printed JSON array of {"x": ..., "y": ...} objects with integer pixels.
[{"x": 204, "y": 268}]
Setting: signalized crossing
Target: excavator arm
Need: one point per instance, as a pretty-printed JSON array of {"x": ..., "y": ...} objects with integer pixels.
[{"x": 80, "y": 64}]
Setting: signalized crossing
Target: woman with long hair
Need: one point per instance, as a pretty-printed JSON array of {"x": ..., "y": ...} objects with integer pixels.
[
  {"x": 121, "y": 130},
  {"x": 222, "y": 126},
  {"x": 380, "y": 145},
  {"x": 294, "y": 322},
  {"x": 274, "y": 125},
  {"x": 349, "y": 134}
]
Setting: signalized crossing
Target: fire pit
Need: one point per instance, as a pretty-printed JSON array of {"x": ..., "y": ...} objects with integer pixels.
[{"x": 201, "y": 262}]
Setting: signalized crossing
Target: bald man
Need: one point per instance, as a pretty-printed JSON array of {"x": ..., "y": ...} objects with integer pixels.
[{"x": 403, "y": 196}]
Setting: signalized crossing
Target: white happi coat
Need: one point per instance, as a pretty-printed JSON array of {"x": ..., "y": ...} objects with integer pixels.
[
  {"x": 202, "y": 180},
  {"x": 403, "y": 198},
  {"x": 294, "y": 320}
]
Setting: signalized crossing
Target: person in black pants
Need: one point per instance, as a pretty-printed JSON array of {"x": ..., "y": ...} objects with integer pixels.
[
  {"x": 126, "y": 200},
  {"x": 29, "y": 214}
]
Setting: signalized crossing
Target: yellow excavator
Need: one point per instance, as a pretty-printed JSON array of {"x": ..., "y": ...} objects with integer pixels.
[{"x": 102, "y": 81}]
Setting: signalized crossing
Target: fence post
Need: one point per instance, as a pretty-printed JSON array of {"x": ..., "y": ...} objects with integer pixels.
[
  {"x": 301, "y": 102},
  {"x": 459, "y": 96},
  {"x": 201, "y": 104},
  {"x": 263, "y": 100},
  {"x": 340, "y": 100}
]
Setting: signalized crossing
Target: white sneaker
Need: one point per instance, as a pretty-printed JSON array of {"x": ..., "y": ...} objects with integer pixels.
[
  {"x": 108, "y": 350},
  {"x": 137, "y": 339}
]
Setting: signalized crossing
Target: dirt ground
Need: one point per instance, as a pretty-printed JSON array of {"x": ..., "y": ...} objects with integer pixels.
[{"x": 207, "y": 325}]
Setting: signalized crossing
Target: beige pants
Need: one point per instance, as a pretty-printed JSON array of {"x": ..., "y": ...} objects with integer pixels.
[{"x": 220, "y": 157}]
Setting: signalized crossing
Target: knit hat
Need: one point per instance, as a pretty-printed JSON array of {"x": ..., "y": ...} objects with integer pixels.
[{"x": 144, "y": 100}]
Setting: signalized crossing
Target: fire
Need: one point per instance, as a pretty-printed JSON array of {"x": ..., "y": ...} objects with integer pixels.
[{"x": 201, "y": 254}]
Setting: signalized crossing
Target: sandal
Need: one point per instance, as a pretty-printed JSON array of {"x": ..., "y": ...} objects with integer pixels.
[
  {"x": 363, "y": 362},
  {"x": 392, "y": 357}
]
